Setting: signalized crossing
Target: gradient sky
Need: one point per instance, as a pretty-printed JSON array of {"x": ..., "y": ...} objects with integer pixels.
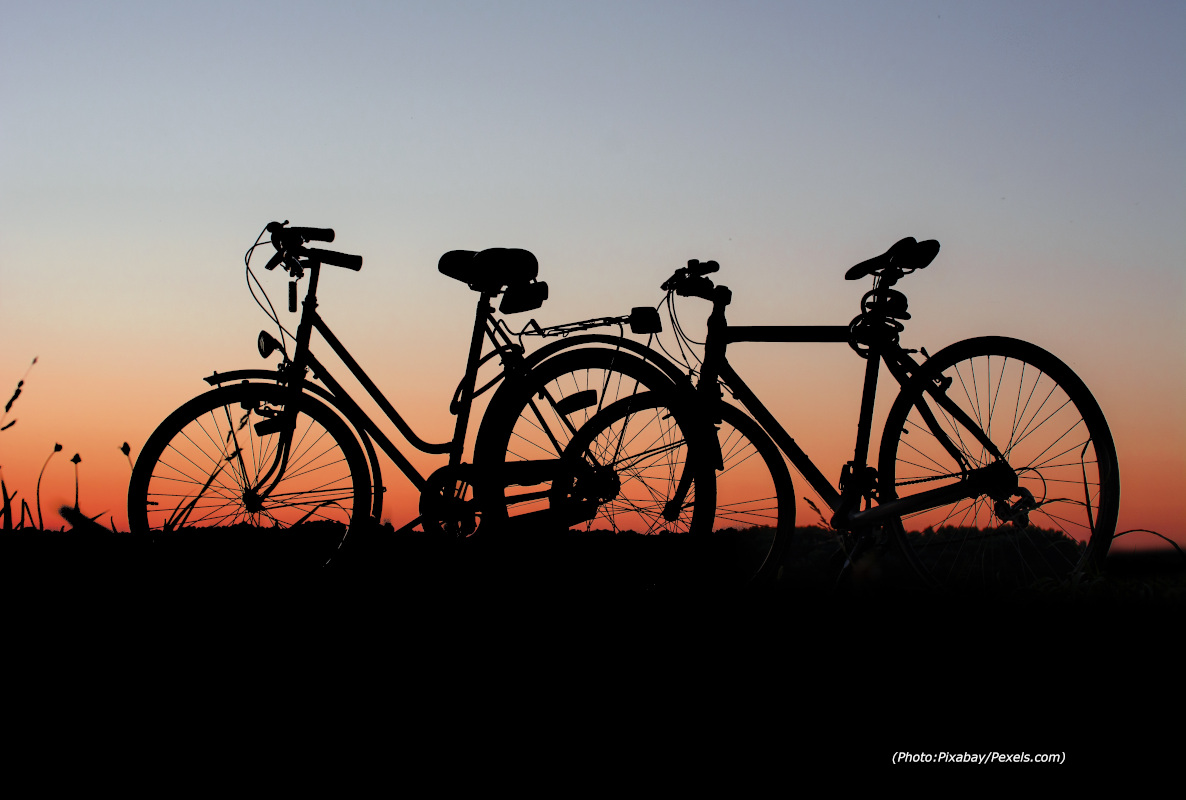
[{"x": 144, "y": 145}]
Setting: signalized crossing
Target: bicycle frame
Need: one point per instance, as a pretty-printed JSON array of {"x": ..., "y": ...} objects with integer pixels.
[
  {"x": 293, "y": 371},
  {"x": 858, "y": 482}
]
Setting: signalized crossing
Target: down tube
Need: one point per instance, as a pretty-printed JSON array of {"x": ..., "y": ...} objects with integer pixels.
[{"x": 776, "y": 432}]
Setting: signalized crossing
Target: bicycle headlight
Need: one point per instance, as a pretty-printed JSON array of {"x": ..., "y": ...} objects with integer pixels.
[{"x": 267, "y": 344}]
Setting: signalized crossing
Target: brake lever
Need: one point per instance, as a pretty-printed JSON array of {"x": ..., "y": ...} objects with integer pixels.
[{"x": 673, "y": 280}]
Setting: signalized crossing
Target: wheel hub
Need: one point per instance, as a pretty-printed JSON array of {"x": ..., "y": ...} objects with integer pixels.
[
  {"x": 600, "y": 485},
  {"x": 252, "y": 501},
  {"x": 1017, "y": 512}
]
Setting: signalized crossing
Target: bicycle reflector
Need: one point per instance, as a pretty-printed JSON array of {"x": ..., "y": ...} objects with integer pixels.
[{"x": 267, "y": 344}]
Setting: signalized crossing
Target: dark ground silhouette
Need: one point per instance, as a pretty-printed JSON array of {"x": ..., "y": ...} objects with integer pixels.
[{"x": 424, "y": 641}]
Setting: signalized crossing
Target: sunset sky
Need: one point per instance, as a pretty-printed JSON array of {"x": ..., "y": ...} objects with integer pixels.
[{"x": 144, "y": 145}]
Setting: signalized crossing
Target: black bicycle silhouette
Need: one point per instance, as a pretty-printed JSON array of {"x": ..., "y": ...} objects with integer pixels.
[
  {"x": 289, "y": 451},
  {"x": 996, "y": 467}
]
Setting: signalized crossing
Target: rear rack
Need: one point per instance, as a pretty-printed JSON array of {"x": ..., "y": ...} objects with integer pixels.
[{"x": 642, "y": 320}]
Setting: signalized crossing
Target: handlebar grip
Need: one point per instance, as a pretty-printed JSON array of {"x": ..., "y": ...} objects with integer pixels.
[
  {"x": 334, "y": 259},
  {"x": 314, "y": 234}
]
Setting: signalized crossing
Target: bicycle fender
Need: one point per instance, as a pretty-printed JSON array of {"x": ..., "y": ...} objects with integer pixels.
[
  {"x": 642, "y": 351},
  {"x": 271, "y": 376},
  {"x": 219, "y": 378}
]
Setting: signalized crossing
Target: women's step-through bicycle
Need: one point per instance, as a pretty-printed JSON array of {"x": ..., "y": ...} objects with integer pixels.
[
  {"x": 996, "y": 467},
  {"x": 584, "y": 432}
]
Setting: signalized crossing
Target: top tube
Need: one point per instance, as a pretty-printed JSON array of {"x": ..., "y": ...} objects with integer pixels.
[{"x": 786, "y": 333}]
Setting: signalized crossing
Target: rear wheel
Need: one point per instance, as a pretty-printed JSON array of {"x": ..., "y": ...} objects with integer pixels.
[
  {"x": 588, "y": 439},
  {"x": 1044, "y": 423},
  {"x": 205, "y": 480}
]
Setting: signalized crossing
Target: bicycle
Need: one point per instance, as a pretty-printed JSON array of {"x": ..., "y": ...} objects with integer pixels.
[
  {"x": 289, "y": 455},
  {"x": 996, "y": 467}
]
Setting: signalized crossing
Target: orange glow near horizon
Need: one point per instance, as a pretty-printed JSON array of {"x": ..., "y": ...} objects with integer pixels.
[{"x": 1149, "y": 483}]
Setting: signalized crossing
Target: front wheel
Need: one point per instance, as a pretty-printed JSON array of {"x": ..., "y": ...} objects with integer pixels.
[
  {"x": 236, "y": 476},
  {"x": 1043, "y": 422}
]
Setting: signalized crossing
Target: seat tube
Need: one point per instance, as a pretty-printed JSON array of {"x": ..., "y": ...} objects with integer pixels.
[
  {"x": 868, "y": 398},
  {"x": 470, "y": 380}
]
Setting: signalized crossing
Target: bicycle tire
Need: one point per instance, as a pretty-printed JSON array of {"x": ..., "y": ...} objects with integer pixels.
[
  {"x": 1049, "y": 428},
  {"x": 192, "y": 480},
  {"x": 537, "y": 417}
]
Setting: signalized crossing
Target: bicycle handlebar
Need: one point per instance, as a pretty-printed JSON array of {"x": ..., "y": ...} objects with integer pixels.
[
  {"x": 289, "y": 244},
  {"x": 334, "y": 258},
  {"x": 690, "y": 281}
]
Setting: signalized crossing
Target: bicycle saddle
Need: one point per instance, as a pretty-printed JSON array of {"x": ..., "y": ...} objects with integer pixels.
[
  {"x": 490, "y": 270},
  {"x": 906, "y": 256}
]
